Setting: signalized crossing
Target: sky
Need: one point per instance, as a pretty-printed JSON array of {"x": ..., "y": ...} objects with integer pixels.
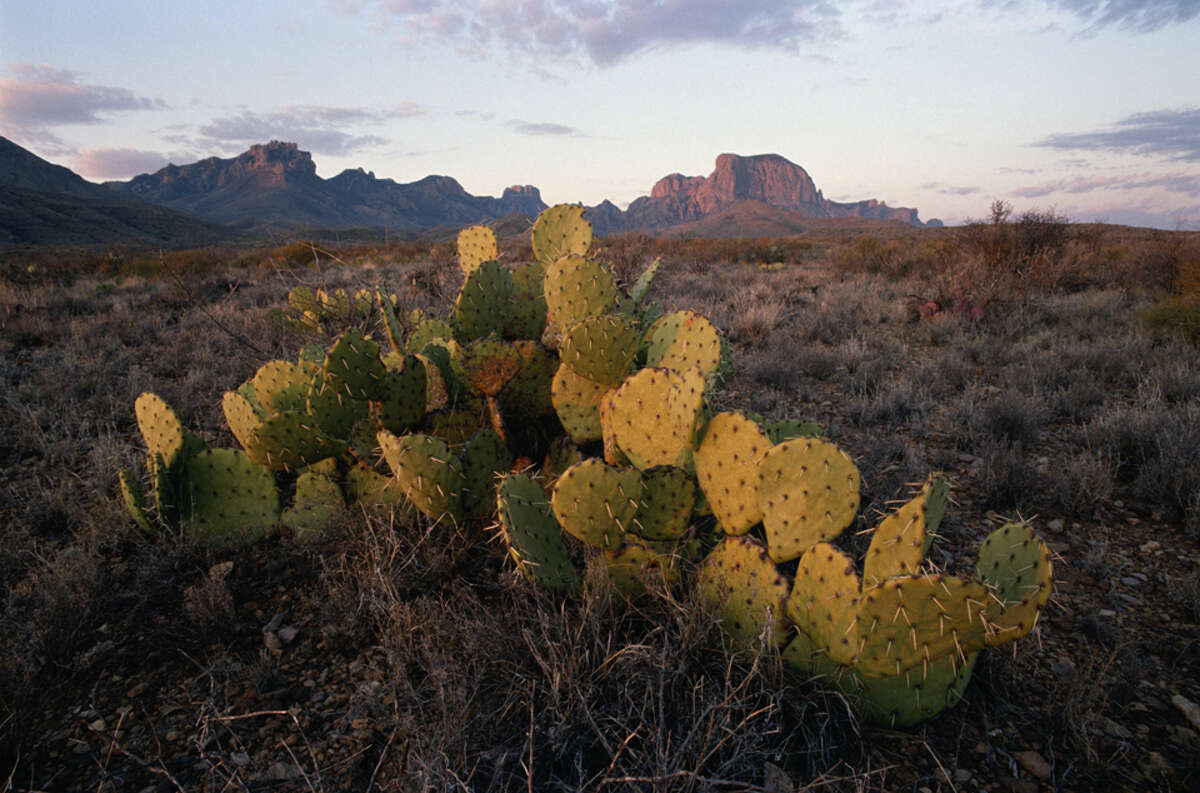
[{"x": 1087, "y": 107}]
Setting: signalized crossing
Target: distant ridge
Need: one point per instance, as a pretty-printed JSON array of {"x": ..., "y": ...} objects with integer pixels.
[
  {"x": 46, "y": 204},
  {"x": 274, "y": 188}
]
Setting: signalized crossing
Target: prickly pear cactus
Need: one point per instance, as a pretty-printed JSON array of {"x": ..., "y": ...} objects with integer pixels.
[{"x": 476, "y": 245}]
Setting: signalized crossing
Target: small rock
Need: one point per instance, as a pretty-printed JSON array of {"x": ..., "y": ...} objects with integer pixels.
[
  {"x": 1131, "y": 581},
  {"x": 1187, "y": 708},
  {"x": 271, "y": 640},
  {"x": 1034, "y": 763},
  {"x": 1151, "y": 545},
  {"x": 137, "y": 690},
  {"x": 1055, "y": 525},
  {"x": 240, "y": 758},
  {"x": 1113, "y": 728},
  {"x": 174, "y": 735},
  {"x": 275, "y": 624},
  {"x": 97, "y": 725},
  {"x": 288, "y": 633},
  {"x": 962, "y": 775},
  {"x": 1064, "y": 670}
]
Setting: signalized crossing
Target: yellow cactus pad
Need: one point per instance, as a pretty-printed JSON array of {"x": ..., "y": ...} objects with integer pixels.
[{"x": 808, "y": 493}]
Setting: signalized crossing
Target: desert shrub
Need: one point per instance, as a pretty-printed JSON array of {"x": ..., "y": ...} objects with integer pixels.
[
  {"x": 1174, "y": 314},
  {"x": 1081, "y": 483},
  {"x": 1007, "y": 476}
]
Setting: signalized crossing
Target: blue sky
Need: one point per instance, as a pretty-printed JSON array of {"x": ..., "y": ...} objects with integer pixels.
[{"x": 1088, "y": 106}]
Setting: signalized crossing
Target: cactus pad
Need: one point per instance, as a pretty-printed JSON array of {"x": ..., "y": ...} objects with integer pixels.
[
  {"x": 317, "y": 504},
  {"x": 684, "y": 340},
  {"x": 484, "y": 456},
  {"x": 353, "y": 367},
  {"x": 727, "y": 469},
  {"x": 391, "y": 323},
  {"x": 486, "y": 364},
  {"x": 740, "y": 584},
  {"x": 161, "y": 428},
  {"x": 596, "y": 503},
  {"x": 288, "y": 441},
  {"x": 528, "y": 394},
  {"x": 533, "y": 537},
  {"x": 642, "y": 286},
  {"x": 403, "y": 405},
  {"x": 476, "y": 245},
  {"x": 808, "y": 492},
  {"x": 527, "y": 319},
  {"x": 232, "y": 500},
  {"x": 601, "y": 348},
  {"x": 912, "y": 621},
  {"x": 917, "y": 694},
  {"x": 789, "y": 429},
  {"x": 561, "y": 231},
  {"x": 484, "y": 305},
  {"x": 135, "y": 501},
  {"x": 429, "y": 472},
  {"x": 824, "y": 602},
  {"x": 241, "y": 417},
  {"x": 637, "y": 568},
  {"x": 654, "y": 416},
  {"x": 898, "y": 545},
  {"x": 577, "y": 288},
  {"x": 426, "y": 331},
  {"x": 1016, "y": 564},
  {"x": 577, "y": 402},
  {"x": 668, "y": 496},
  {"x": 281, "y": 386},
  {"x": 334, "y": 413}
]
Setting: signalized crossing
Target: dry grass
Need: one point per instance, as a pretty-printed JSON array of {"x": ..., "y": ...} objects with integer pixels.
[{"x": 1060, "y": 402}]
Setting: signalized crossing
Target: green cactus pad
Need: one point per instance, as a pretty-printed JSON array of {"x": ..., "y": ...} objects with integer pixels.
[
  {"x": 811, "y": 660},
  {"x": 160, "y": 427},
  {"x": 741, "y": 586},
  {"x": 311, "y": 357},
  {"x": 484, "y": 305},
  {"x": 246, "y": 389},
  {"x": 655, "y": 414},
  {"x": 316, "y": 506},
  {"x": 601, "y": 348},
  {"x": 232, "y": 501},
  {"x": 635, "y": 569},
  {"x": 596, "y": 503},
  {"x": 487, "y": 365},
  {"x": 335, "y": 414},
  {"x": 898, "y": 544},
  {"x": 391, "y": 323},
  {"x": 353, "y": 367},
  {"x": 289, "y": 441},
  {"x": 809, "y": 492},
  {"x": 367, "y": 488},
  {"x": 577, "y": 288},
  {"x": 527, "y": 319},
  {"x": 427, "y": 331},
  {"x": 918, "y": 694},
  {"x": 169, "y": 500},
  {"x": 241, "y": 417},
  {"x": 533, "y": 536},
  {"x": 429, "y": 472},
  {"x": 561, "y": 231},
  {"x": 684, "y": 340},
  {"x": 403, "y": 406},
  {"x": 282, "y": 385},
  {"x": 528, "y": 395},
  {"x": 135, "y": 501},
  {"x": 483, "y": 457},
  {"x": 910, "y": 622},
  {"x": 668, "y": 497},
  {"x": 303, "y": 298},
  {"x": 727, "y": 469},
  {"x": 824, "y": 602},
  {"x": 1016, "y": 565},
  {"x": 790, "y": 429},
  {"x": 576, "y": 400},
  {"x": 612, "y": 453},
  {"x": 642, "y": 287},
  {"x": 476, "y": 245}
]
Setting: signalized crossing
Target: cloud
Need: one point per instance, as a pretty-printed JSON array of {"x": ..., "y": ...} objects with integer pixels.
[
  {"x": 544, "y": 128},
  {"x": 1139, "y": 16},
  {"x": 608, "y": 31},
  {"x": 319, "y": 128},
  {"x": 39, "y": 98},
  {"x": 112, "y": 163},
  {"x": 1160, "y": 133},
  {"x": 1181, "y": 183},
  {"x": 945, "y": 189}
]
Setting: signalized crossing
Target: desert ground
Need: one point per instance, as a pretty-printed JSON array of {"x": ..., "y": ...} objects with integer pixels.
[{"x": 1048, "y": 369}]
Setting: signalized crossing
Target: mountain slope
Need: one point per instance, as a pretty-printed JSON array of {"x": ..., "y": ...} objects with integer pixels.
[{"x": 46, "y": 204}]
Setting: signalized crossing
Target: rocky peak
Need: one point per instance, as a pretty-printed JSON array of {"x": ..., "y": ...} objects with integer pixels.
[{"x": 526, "y": 191}]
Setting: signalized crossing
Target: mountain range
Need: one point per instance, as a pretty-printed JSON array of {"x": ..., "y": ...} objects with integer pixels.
[{"x": 275, "y": 187}]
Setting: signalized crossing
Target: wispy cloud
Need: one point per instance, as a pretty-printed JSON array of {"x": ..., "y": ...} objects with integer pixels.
[
  {"x": 1184, "y": 184},
  {"x": 945, "y": 189},
  {"x": 545, "y": 128},
  {"x": 38, "y": 98},
  {"x": 116, "y": 163},
  {"x": 1172, "y": 133},
  {"x": 1139, "y": 16},
  {"x": 322, "y": 129},
  {"x": 608, "y": 31}
]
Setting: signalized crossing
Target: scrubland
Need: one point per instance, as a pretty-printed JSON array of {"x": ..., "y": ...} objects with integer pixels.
[{"x": 1049, "y": 369}]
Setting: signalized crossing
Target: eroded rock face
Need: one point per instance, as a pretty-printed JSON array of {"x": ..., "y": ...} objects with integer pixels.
[{"x": 768, "y": 178}]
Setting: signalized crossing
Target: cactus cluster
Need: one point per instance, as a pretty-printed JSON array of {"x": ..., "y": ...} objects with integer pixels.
[
  {"x": 315, "y": 310},
  {"x": 575, "y": 414}
]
